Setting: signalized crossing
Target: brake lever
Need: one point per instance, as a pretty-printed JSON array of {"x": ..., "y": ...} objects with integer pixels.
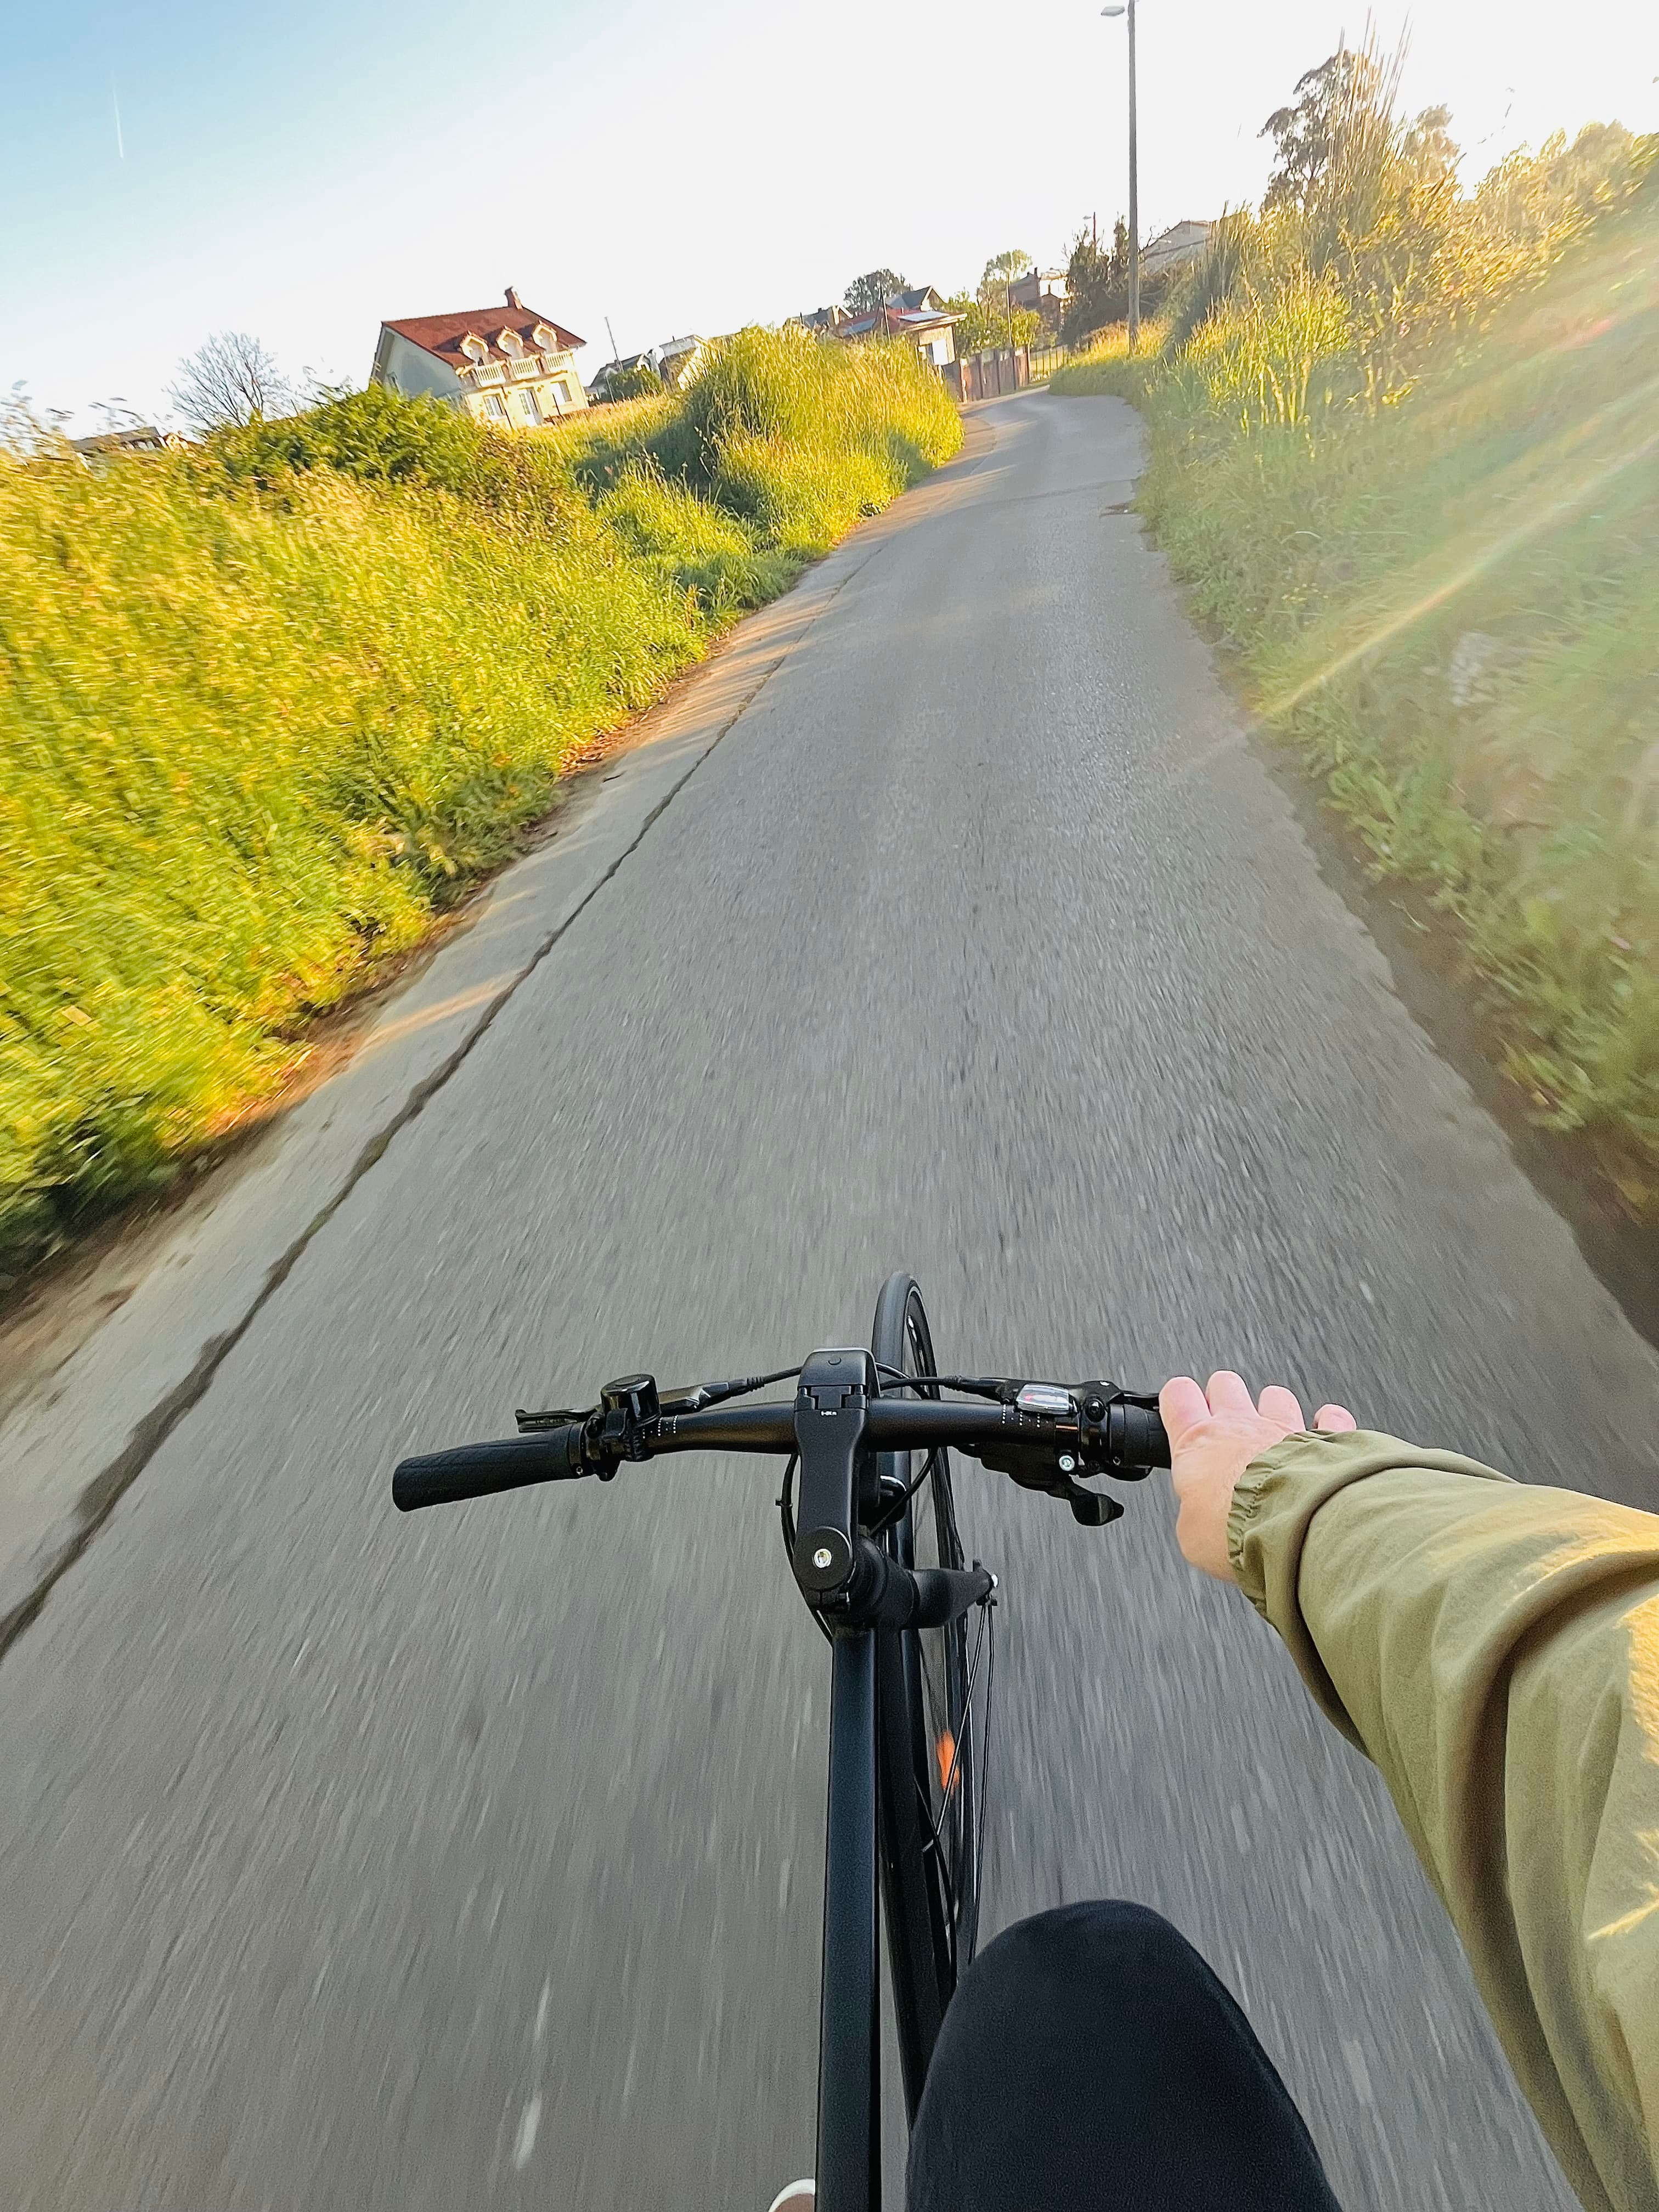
[
  {"x": 557, "y": 1417},
  {"x": 622, "y": 1426}
]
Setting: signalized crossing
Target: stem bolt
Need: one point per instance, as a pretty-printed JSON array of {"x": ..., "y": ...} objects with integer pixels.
[
  {"x": 824, "y": 1556},
  {"x": 1067, "y": 1464}
]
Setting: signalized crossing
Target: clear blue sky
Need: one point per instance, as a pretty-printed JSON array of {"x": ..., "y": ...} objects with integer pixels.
[{"x": 300, "y": 173}]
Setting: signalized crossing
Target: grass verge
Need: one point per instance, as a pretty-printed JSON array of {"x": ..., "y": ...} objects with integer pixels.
[
  {"x": 269, "y": 706},
  {"x": 1441, "y": 566},
  {"x": 1105, "y": 369}
]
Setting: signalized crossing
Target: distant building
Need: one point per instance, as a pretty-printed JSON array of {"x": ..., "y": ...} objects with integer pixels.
[
  {"x": 1176, "y": 249},
  {"x": 510, "y": 366},
  {"x": 679, "y": 362},
  {"x": 917, "y": 313},
  {"x": 675, "y": 363},
  {"x": 1042, "y": 291},
  {"x": 921, "y": 299},
  {"x": 137, "y": 437},
  {"x": 932, "y": 331}
]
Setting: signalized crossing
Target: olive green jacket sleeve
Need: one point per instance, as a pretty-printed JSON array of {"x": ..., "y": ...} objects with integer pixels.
[{"x": 1493, "y": 1647}]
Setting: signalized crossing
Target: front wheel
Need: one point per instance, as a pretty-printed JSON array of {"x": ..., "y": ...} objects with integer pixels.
[{"x": 924, "y": 1726}]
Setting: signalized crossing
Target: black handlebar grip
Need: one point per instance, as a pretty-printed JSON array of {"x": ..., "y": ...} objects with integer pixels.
[
  {"x": 480, "y": 1470},
  {"x": 1141, "y": 1439}
]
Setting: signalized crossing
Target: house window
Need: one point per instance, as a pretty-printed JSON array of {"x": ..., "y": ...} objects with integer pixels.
[
  {"x": 496, "y": 406},
  {"x": 533, "y": 412}
]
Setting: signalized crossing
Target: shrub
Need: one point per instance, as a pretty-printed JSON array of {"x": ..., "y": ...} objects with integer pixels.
[
  {"x": 639, "y": 382},
  {"x": 878, "y": 402},
  {"x": 376, "y": 436}
]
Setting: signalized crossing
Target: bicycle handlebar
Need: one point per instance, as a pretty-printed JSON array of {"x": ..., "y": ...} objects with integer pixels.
[{"x": 1128, "y": 1439}]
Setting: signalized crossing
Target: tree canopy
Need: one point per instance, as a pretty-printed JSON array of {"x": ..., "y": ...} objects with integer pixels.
[
  {"x": 1348, "y": 99},
  {"x": 229, "y": 379},
  {"x": 1097, "y": 285},
  {"x": 869, "y": 293},
  {"x": 984, "y": 323},
  {"x": 1306, "y": 132},
  {"x": 1002, "y": 269}
]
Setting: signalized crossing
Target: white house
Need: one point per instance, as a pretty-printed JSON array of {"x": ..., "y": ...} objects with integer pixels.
[
  {"x": 137, "y": 438},
  {"x": 508, "y": 366},
  {"x": 1178, "y": 247},
  {"x": 676, "y": 363},
  {"x": 679, "y": 362}
]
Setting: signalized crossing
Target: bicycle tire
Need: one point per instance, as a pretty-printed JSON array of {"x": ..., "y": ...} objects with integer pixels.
[{"x": 925, "y": 1730}]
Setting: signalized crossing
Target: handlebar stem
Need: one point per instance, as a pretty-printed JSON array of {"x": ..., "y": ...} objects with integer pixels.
[{"x": 832, "y": 1404}]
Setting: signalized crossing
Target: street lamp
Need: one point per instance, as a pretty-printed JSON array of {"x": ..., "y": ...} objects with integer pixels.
[{"x": 1128, "y": 7}]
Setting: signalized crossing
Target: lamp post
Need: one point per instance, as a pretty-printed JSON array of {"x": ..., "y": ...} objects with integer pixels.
[{"x": 1128, "y": 7}]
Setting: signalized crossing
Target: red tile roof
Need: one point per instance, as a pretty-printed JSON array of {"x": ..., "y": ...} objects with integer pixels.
[{"x": 443, "y": 334}]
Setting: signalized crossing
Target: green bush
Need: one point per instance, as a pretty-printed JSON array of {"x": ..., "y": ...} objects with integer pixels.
[
  {"x": 378, "y": 437},
  {"x": 638, "y": 383},
  {"x": 774, "y": 414},
  {"x": 268, "y": 704}
]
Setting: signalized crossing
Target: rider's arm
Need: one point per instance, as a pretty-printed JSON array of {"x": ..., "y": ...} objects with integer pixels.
[{"x": 1494, "y": 1648}]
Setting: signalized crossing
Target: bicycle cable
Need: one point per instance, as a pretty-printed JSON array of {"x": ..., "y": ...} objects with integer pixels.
[
  {"x": 786, "y": 1522},
  {"x": 985, "y": 1754},
  {"x": 974, "y": 1386},
  {"x": 716, "y": 1394}
]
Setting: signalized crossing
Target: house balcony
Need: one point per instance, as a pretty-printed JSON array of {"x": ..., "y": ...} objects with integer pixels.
[{"x": 520, "y": 371}]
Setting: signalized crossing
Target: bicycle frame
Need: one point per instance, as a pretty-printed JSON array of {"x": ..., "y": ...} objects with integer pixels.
[
  {"x": 838, "y": 1417},
  {"x": 849, "y": 2026},
  {"x": 837, "y": 1427}
]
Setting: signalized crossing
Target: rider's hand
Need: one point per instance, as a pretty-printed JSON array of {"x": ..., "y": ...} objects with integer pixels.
[{"x": 1214, "y": 1437}]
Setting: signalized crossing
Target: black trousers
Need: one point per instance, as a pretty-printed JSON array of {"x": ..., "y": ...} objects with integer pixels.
[{"x": 1091, "y": 2060}]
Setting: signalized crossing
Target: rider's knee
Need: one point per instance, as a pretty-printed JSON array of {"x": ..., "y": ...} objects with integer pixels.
[{"x": 1105, "y": 1941}]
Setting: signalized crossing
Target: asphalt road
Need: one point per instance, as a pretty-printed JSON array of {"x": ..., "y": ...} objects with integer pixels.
[{"x": 355, "y": 1861}]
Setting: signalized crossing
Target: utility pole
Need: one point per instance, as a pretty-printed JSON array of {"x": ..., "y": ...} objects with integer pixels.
[
  {"x": 1128, "y": 7},
  {"x": 1135, "y": 206}
]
